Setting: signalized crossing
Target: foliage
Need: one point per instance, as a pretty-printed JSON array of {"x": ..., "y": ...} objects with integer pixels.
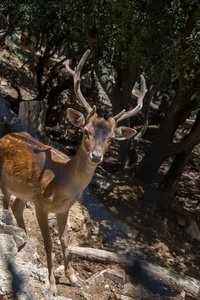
[
  {"x": 149, "y": 34},
  {"x": 160, "y": 39}
]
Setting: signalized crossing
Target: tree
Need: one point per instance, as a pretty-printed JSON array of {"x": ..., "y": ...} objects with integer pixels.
[
  {"x": 122, "y": 27},
  {"x": 159, "y": 39},
  {"x": 182, "y": 53}
]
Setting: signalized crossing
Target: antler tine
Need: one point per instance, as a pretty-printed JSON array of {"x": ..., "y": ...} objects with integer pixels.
[
  {"x": 127, "y": 114},
  {"x": 77, "y": 79}
]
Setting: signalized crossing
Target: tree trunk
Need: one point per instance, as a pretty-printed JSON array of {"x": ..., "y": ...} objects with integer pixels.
[
  {"x": 158, "y": 151},
  {"x": 32, "y": 115},
  {"x": 174, "y": 173},
  {"x": 162, "y": 145}
]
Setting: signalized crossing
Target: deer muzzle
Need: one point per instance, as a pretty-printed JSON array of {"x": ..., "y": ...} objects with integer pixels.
[{"x": 96, "y": 156}]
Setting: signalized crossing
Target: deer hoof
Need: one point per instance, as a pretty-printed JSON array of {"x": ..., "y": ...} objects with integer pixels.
[{"x": 76, "y": 284}]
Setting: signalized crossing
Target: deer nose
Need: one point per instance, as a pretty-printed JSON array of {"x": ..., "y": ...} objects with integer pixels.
[{"x": 96, "y": 156}]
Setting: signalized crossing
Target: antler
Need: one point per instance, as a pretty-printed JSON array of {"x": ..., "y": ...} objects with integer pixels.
[
  {"x": 127, "y": 114},
  {"x": 76, "y": 76}
]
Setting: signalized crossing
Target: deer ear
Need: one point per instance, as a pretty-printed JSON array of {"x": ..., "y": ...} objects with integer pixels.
[
  {"x": 76, "y": 117},
  {"x": 123, "y": 133}
]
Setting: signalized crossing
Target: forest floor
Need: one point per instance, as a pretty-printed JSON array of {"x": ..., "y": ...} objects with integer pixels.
[{"x": 159, "y": 236}]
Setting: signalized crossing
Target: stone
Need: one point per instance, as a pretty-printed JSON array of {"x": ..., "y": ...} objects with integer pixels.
[
  {"x": 7, "y": 216},
  {"x": 17, "y": 270},
  {"x": 114, "y": 275},
  {"x": 131, "y": 232},
  {"x": 27, "y": 253},
  {"x": 59, "y": 271},
  {"x": 128, "y": 220},
  {"x": 12, "y": 230},
  {"x": 181, "y": 220},
  {"x": 59, "y": 298},
  {"x": 122, "y": 297},
  {"x": 17, "y": 233},
  {"x": 4, "y": 83},
  {"x": 129, "y": 289},
  {"x": 8, "y": 246},
  {"x": 102, "y": 182},
  {"x": 193, "y": 230}
]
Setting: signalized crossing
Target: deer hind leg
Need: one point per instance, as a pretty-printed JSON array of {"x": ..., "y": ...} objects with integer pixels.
[
  {"x": 18, "y": 209},
  {"x": 6, "y": 205},
  {"x": 63, "y": 235},
  {"x": 42, "y": 218},
  {"x": 6, "y": 196}
]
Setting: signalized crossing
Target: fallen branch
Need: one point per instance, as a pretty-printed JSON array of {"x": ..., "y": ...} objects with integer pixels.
[{"x": 142, "y": 270}]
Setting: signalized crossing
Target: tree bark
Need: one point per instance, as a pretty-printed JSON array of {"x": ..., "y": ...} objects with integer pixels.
[
  {"x": 32, "y": 115},
  {"x": 173, "y": 176},
  {"x": 162, "y": 146},
  {"x": 184, "y": 149}
]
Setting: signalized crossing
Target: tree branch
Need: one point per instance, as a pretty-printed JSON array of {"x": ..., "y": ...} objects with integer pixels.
[{"x": 102, "y": 73}]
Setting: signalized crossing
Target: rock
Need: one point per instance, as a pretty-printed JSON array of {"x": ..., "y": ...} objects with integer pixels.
[
  {"x": 128, "y": 220},
  {"x": 41, "y": 274},
  {"x": 162, "y": 247},
  {"x": 2, "y": 211},
  {"x": 59, "y": 298},
  {"x": 193, "y": 230},
  {"x": 187, "y": 247},
  {"x": 131, "y": 232},
  {"x": 18, "y": 233},
  {"x": 114, "y": 210},
  {"x": 106, "y": 286},
  {"x": 18, "y": 273},
  {"x": 7, "y": 250},
  {"x": 14, "y": 270},
  {"x": 7, "y": 217},
  {"x": 4, "y": 83},
  {"x": 130, "y": 290},
  {"x": 59, "y": 271},
  {"x": 122, "y": 297},
  {"x": 181, "y": 220},
  {"x": 114, "y": 275},
  {"x": 28, "y": 252},
  {"x": 12, "y": 230},
  {"x": 8, "y": 246},
  {"x": 102, "y": 182},
  {"x": 36, "y": 257},
  {"x": 19, "y": 241}
]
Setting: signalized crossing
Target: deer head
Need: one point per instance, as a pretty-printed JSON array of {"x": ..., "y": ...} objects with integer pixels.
[{"x": 98, "y": 132}]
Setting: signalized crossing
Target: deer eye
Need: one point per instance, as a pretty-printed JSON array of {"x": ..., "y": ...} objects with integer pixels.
[{"x": 85, "y": 132}]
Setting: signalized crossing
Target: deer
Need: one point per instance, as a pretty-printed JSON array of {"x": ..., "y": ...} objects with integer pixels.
[{"x": 50, "y": 179}]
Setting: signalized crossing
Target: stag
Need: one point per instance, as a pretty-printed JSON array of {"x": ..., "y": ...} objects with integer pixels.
[{"x": 51, "y": 180}]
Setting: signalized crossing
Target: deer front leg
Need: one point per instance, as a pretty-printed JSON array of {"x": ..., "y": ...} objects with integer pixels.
[
  {"x": 42, "y": 218},
  {"x": 63, "y": 235}
]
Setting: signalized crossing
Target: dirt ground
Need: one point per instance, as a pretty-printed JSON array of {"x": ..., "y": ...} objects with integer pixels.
[{"x": 160, "y": 239}]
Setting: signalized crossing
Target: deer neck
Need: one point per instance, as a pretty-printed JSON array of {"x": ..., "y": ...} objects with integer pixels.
[{"x": 81, "y": 168}]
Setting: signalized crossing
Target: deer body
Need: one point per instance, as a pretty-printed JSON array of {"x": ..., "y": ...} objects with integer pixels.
[
  {"x": 34, "y": 172},
  {"x": 51, "y": 180}
]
